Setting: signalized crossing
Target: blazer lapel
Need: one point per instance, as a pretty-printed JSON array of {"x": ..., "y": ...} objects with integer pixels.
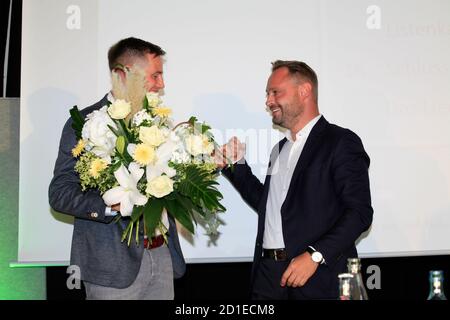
[
  {"x": 272, "y": 161},
  {"x": 274, "y": 156},
  {"x": 311, "y": 145}
]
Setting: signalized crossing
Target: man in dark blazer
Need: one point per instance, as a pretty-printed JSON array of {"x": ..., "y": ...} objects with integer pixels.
[
  {"x": 315, "y": 201},
  {"x": 109, "y": 268}
]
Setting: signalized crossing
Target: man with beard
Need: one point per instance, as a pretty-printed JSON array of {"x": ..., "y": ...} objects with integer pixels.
[{"x": 315, "y": 201}]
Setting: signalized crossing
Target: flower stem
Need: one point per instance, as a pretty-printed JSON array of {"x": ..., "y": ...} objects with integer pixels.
[
  {"x": 131, "y": 232},
  {"x": 137, "y": 232}
]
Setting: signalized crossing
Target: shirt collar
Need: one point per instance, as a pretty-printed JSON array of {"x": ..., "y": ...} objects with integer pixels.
[{"x": 304, "y": 132}]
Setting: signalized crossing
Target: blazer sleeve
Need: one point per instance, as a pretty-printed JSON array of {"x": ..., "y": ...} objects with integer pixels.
[
  {"x": 351, "y": 182},
  {"x": 65, "y": 193},
  {"x": 246, "y": 183}
]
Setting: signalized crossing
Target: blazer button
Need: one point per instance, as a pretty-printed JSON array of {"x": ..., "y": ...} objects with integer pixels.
[{"x": 94, "y": 215}]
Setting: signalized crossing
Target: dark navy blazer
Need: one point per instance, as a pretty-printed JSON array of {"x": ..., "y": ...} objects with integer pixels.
[{"x": 328, "y": 204}]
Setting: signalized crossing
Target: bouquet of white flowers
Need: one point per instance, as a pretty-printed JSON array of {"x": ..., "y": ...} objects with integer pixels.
[{"x": 146, "y": 164}]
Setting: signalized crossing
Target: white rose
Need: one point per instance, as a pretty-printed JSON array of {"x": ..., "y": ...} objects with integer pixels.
[
  {"x": 152, "y": 136},
  {"x": 194, "y": 144},
  {"x": 119, "y": 109},
  {"x": 160, "y": 186},
  {"x": 100, "y": 139},
  {"x": 198, "y": 144},
  {"x": 153, "y": 99}
]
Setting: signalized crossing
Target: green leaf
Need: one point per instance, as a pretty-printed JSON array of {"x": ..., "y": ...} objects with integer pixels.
[
  {"x": 120, "y": 144},
  {"x": 200, "y": 188},
  {"x": 205, "y": 128},
  {"x": 192, "y": 120},
  {"x": 128, "y": 229},
  {"x": 145, "y": 103},
  {"x": 152, "y": 215},
  {"x": 124, "y": 130},
  {"x": 116, "y": 166},
  {"x": 77, "y": 121},
  {"x": 116, "y": 132},
  {"x": 178, "y": 212},
  {"x": 137, "y": 213},
  {"x": 185, "y": 202}
]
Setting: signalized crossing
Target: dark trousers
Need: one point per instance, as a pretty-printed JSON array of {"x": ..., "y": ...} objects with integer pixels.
[{"x": 267, "y": 278}]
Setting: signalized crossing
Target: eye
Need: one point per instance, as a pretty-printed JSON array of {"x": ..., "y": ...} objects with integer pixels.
[{"x": 271, "y": 93}]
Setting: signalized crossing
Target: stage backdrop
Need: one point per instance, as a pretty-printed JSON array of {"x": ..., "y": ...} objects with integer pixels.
[{"x": 383, "y": 71}]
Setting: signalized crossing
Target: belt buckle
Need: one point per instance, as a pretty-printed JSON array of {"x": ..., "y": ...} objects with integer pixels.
[
  {"x": 275, "y": 255},
  {"x": 279, "y": 255}
]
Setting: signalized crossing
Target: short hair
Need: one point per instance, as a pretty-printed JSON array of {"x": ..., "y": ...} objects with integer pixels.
[
  {"x": 127, "y": 49},
  {"x": 301, "y": 71}
]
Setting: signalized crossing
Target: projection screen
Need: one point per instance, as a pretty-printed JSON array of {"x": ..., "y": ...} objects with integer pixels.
[{"x": 383, "y": 72}]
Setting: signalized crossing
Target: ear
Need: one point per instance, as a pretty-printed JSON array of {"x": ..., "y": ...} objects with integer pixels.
[
  {"x": 121, "y": 70},
  {"x": 120, "y": 73},
  {"x": 305, "y": 90}
]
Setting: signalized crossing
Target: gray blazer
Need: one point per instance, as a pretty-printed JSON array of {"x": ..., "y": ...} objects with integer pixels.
[{"x": 96, "y": 247}]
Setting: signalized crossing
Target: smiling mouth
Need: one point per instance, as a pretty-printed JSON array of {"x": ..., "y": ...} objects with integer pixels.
[{"x": 275, "y": 110}]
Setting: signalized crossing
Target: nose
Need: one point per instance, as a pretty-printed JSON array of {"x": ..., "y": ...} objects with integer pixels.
[
  {"x": 156, "y": 84},
  {"x": 269, "y": 100},
  {"x": 160, "y": 82}
]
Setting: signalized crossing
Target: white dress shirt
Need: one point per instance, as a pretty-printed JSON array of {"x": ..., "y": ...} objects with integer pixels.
[{"x": 283, "y": 169}]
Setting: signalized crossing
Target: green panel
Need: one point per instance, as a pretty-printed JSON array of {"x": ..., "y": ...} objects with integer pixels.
[{"x": 15, "y": 283}]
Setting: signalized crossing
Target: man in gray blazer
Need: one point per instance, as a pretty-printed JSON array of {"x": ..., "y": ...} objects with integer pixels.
[{"x": 109, "y": 268}]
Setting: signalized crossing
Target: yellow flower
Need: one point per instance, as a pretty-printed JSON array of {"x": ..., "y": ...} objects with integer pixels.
[
  {"x": 97, "y": 166},
  {"x": 162, "y": 112},
  {"x": 78, "y": 148},
  {"x": 144, "y": 154}
]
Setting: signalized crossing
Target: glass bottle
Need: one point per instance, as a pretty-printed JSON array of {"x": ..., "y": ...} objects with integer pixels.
[
  {"x": 345, "y": 284},
  {"x": 358, "y": 290},
  {"x": 436, "y": 285}
]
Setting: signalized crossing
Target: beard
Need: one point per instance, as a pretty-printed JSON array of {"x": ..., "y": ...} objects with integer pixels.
[
  {"x": 278, "y": 118},
  {"x": 287, "y": 115}
]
